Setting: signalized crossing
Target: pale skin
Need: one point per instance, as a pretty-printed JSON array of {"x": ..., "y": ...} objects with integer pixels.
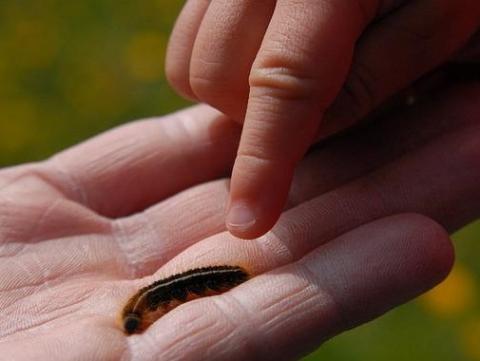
[
  {"x": 292, "y": 71},
  {"x": 82, "y": 231}
]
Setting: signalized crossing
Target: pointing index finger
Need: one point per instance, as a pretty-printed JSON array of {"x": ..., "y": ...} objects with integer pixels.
[{"x": 299, "y": 69}]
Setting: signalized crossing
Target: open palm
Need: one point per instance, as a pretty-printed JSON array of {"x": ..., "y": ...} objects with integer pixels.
[{"x": 81, "y": 232}]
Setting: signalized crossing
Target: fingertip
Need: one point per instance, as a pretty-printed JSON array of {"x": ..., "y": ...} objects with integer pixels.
[
  {"x": 180, "y": 46},
  {"x": 438, "y": 247},
  {"x": 177, "y": 64},
  {"x": 240, "y": 219},
  {"x": 178, "y": 79},
  {"x": 248, "y": 221},
  {"x": 258, "y": 192},
  {"x": 428, "y": 250}
]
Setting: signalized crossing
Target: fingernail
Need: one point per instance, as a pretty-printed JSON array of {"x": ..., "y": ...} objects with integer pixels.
[{"x": 240, "y": 217}]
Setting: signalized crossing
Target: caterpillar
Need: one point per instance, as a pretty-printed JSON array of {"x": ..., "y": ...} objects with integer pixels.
[{"x": 153, "y": 301}]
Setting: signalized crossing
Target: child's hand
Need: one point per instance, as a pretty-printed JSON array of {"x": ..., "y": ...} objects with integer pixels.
[{"x": 280, "y": 64}]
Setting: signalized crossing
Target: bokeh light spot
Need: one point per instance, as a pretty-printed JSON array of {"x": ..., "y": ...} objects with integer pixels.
[{"x": 453, "y": 296}]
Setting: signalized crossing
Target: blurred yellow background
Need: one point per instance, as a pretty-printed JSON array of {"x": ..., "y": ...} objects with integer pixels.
[{"x": 70, "y": 69}]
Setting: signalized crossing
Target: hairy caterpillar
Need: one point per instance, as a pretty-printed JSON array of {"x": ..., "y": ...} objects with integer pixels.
[{"x": 153, "y": 301}]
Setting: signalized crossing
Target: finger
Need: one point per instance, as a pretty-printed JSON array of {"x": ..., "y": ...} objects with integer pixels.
[
  {"x": 471, "y": 53},
  {"x": 180, "y": 46},
  {"x": 420, "y": 182},
  {"x": 227, "y": 43},
  {"x": 134, "y": 166},
  {"x": 365, "y": 150},
  {"x": 398, "y": 50},
  {"x": 155, "y": 236},
  {"x": 295, "y": 76},
  {"x": 355, "y": 278},
  {"x": 263, "y": 157},
  {"x": 452, "y": 159},
  {"x": 225, "y": 47},
  {"x": 33, "y": 208},
  {"x": 374, "y": 196}
]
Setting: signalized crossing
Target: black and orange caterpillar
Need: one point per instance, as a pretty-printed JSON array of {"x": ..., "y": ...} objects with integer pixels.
[{"x": 153, "y": 301}]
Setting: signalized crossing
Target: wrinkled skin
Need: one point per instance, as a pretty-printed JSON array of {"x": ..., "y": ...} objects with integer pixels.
[{"x": 82, "y": 231}]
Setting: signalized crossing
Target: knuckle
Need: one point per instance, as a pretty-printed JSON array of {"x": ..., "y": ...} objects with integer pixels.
[
  {"x": 202, "y": 85},
  {"x": 254, "y": 162},
  {"x": 223, "y": 92},
  {"x": 257, "y": 157},
  {"x": 207, "y": 79},
  {"x": 218, "y": 94},
  {"x": 263, "y": 148},
  {"x": 283, "y": 82}
]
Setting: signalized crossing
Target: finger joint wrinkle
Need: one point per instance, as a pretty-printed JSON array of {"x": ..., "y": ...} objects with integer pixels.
[{"x": 283, "y": 83}]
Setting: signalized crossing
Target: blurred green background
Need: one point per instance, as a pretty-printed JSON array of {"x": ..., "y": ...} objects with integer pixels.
[{"x": 70, "y": 69}]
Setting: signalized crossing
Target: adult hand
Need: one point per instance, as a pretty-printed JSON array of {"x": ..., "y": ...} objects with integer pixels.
[
  {"x": 278, "y": 66},
  {"x": 84, "y": 230}
]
